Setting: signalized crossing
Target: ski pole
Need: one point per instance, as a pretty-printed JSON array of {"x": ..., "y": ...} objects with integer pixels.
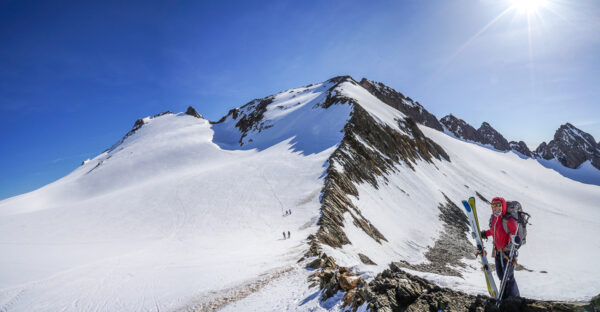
[{"x": 508, "y": 264}]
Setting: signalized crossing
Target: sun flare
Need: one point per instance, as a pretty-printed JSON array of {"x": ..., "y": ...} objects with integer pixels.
[{"x": 528, "y": 6}]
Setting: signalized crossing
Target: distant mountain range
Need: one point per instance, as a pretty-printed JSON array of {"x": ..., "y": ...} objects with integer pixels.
[{"x": 570, "y": 146}]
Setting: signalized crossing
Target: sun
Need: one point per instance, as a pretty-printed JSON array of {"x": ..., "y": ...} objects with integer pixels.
[{"x": 527, "y": 6}]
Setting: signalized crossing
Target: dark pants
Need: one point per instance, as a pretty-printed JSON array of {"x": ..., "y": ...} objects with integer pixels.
[{"x": 511, "y": 288}]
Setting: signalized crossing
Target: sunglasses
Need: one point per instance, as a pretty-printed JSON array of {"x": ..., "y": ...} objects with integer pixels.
[{"x": 497, "y": 205}]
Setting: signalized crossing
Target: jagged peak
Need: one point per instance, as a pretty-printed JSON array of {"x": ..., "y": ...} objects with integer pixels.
[
  {"x": 485, "y": 124},
  {"x": 451, "y": 117},
  {"x": 339, "y": 79},
  {"x": 192, "y": 112},
  {"x": 568, "y": 132},
  {"x": 520, "y": 147}
]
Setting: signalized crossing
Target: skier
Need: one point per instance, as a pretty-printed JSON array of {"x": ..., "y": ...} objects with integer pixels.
[
  {"x": 288, "y": 234},
  {"x": 283, "y": 234},
  {"x": 502, "y": 241}
]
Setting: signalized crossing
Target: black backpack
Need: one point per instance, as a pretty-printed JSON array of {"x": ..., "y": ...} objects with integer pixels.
[{"x": 515, "y": 211}]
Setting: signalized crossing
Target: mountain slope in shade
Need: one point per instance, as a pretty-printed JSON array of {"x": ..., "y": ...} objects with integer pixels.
[{"x": 187, "y": 214}]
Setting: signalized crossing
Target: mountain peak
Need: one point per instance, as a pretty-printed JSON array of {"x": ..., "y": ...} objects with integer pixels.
[
  {"x": 492, "y": 137},
  {"x": 486, "y": 134},
  {"x": 342, "y": 78},
  {"x": 192, "y": 112},
  {"x": 460, "y": 128},
  {"x": 571, "y": 147},
  {"x": 520, "y": 147}
]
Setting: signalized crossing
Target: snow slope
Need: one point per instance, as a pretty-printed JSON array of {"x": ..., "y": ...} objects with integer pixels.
[
  {"x": 167, "y": 218},
  {"x": 559, "y": 252}
]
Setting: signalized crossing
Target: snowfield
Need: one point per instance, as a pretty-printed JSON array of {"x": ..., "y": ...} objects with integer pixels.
[{"x": 179, "y": 216}]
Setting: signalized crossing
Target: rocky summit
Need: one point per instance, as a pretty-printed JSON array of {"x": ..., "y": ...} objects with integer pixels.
[
  {"x": 520, "y": 147},
  {"x": 571, "y": 147},
  {"x": 461, "y": 129},
  {"x": 492, "y": 137}
]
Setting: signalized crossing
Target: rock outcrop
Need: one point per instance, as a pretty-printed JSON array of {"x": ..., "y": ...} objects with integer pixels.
[
  {"x": 492, "y": 137},
  {"x": 368, "y": 150},
  {"x": 192, "y": 112},
  {"x": 406, "y": 105},
  {"x": 460, "y": 128},
  {"x": 396, "y": 290},
  {"x": 451, "y": 246},
  {"x": 485, "y": 134},
  {"x": 571, "y": 147},
  {"x": 520, "y": 147}
]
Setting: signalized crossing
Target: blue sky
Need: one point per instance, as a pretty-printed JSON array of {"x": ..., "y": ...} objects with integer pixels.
[{"x": 74, "y": 76}]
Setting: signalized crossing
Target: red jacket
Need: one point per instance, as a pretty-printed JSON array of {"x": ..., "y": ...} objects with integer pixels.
[{"x": 501, "y": 238}]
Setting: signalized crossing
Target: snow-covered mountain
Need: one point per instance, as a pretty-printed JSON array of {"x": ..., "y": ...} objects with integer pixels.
[
  {"x": 188, "y": 214},
  {"x": 571, "y": 147},
  {"x": 573, "y": 153}
]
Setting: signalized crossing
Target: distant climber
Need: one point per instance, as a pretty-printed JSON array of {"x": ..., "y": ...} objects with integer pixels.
[
  {"x": 283, "y": 234},
  {"x": 288, "y": 234}
]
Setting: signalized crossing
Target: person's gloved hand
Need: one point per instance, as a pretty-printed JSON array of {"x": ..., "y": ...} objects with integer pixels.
[
  {"x": 481, "y": 253},
  {"x": 516, "y": 240},
  {"x": 483, "y": 235}
]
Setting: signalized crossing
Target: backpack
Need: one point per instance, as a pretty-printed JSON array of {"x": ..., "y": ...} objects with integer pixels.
[{"x": 515, "y": 211}]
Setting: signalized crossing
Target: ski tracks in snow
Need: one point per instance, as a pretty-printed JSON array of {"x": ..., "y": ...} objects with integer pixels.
[
  {"x": 13, "y": 298},
  {"x": 215, "y": 300}
]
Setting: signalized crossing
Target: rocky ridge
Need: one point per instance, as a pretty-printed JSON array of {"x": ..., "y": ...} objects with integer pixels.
[
  {"x": 402, "y": 103},
  {"x": 368, "y": 151},
  {"x": 486, "y": 134},
  {"x": 520, "y": 147},
  {"x": 492, "y": 137},
  {"x": 571, "y": 147},
  {"x": 460, "y": 128}
]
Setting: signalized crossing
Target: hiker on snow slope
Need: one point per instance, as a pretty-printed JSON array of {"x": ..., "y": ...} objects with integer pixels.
[{"x": 502, "y": 243}]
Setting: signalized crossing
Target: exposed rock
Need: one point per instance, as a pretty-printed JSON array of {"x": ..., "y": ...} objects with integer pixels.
[
  {"x": 492, "y": 137},
  {"x": 485, "y": 134},
  {"x": 396, "y": 290},
  {"x": 402, "y": 103},
  {"x": 360, "y": 164},
  {"x": 137, "y": 125},
  {"x": 571, "y": 147},
  {"x": 461, "y": 129},
  {"x": 482, "y": 198},
  {"x": 332, "y": 278},
  {"x": 250, "y": 116},
  {"x": 451, "y": 246},
  {"x": 162, "y": 114},
  {"x": 192, "y": 112},
  {"x": 520, "y": 147},
  {"x": 366, "y": 260}
]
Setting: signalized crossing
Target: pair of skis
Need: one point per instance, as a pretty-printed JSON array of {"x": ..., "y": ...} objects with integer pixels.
[{"x": 476, "y": 233}]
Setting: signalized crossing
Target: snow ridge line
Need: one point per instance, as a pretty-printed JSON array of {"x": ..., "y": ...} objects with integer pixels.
[
  {"x": 367, "y": 151},
  {"x": 230, "y": 295}
]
